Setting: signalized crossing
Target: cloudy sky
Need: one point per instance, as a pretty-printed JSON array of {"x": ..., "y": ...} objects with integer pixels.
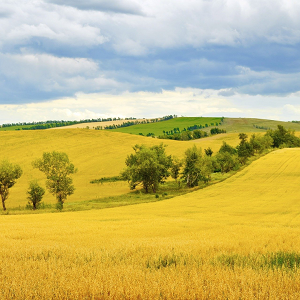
[{"x": 71, "y": 59}]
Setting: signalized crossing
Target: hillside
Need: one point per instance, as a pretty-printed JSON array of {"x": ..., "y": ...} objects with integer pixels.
[
  {"x": 237, "y": 240},
  {"x": 96, "y": 154},
  {"x": 231, "y": 125}
]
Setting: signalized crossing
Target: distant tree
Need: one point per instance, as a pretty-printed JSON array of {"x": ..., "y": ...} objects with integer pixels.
[
  {"x": 208, "y": 151},
  {"x": 9, "y": 173},
  {"x": 57, "y": 168},
  {"x": 35, "y": 194},
  {"x": 148, "y": 167}
]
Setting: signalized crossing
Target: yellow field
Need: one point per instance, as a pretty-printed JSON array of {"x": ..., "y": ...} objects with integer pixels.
[
  {"x": 95, "y": 153},
  {"x": 221, "y": 242}
]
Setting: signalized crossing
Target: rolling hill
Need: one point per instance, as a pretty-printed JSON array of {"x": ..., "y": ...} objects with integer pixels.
[
  {"x": 237, "y": 240},
  {"x": 96, "y": 154}
]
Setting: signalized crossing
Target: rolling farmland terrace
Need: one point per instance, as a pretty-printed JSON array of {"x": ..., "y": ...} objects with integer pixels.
[{"x": 237, "y": 239}]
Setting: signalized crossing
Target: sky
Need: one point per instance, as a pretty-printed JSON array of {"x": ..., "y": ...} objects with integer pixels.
[{"x": 72, "y": 60}]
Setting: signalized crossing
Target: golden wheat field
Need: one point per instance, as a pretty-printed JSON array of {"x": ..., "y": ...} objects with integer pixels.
[
  {"x": 95, "y": 153},
  {"x": 238, "y": 239}
]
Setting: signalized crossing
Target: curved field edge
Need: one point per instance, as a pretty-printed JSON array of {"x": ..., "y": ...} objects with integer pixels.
[{"x": 235, "y": 240}]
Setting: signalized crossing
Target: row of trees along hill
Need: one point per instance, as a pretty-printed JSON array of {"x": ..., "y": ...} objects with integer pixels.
[
  {"x": 189, "y": 134},
  {"x": 151, "y": 166},
  {"x": 57, "y": 168}
]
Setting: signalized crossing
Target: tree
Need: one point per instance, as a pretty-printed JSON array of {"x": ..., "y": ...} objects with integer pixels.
[
  {"x": 196, "y": 167},
  {"x": 227, "y": 148},
  {"x": 244, "y": 149},
  {"x": 175, "y": 168},
  {"x": 283, "y": 137},
  {"x": 208, "y": 151},
  {"x": 227, "y": 161},
  {"x": 57, "y": 168},
  {"x": 9, "y": 173},
  {"x": 147, "y": 167},
  {"x": 35, "y": 194}
]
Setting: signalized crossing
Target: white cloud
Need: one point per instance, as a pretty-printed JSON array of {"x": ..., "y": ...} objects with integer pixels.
[
  {"x": 181, "y": 101},
  {"x": 50, "y": 73}
]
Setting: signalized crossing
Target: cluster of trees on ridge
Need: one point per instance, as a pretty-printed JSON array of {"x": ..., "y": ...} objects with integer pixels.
[
  {"x": 148, "y": 166},
  {"x": 151, "y": 166}
]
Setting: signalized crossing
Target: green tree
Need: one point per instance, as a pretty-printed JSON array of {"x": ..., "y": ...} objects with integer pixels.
[
  {"x": 35, "y": 194},
  {"x": 175, "y": 168},
  {"x": 261, "y": 143},
  {"x": 208, "y": 151},
  {"x": 283, "y": 137},
  {"x": 147, "y": 167},
  {"x": 9, "y": 173},
  {"x": 244, "y": 149},
  {"x": 57, "y": 168},
  {"x": 196, "y": 167},
  {"x": 227, "y": 161},
  {"x": 227, "y": 148}
]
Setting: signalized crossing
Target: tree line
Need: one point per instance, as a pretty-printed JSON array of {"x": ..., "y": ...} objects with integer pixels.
[
  {"x": 149, "y": 167},
  {"x": 187, "y": 135},
  {"x": 145, "y": 121}
]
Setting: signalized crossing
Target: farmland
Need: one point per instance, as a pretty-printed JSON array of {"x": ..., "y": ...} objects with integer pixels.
[
  {"x": 95, "y": 153},
  {"x": 237, "y": 239}
]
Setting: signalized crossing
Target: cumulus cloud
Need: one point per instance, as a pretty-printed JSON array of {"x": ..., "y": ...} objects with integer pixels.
[
  {"x": 55, "y": 48},
  {"x": 47, "y": 73}
]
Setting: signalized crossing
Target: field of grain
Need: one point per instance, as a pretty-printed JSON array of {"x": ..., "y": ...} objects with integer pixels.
[
  {"x": 238, "y": 239},
  {"x": 96, "y": 154}
]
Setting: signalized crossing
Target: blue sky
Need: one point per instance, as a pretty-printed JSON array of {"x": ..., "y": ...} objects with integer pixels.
[{"x": 64, "y": 59}]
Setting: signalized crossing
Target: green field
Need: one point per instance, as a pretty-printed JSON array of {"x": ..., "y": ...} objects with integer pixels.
[
  {"x": 159, "y": 127},
  {"x": 230, "y": 125}
]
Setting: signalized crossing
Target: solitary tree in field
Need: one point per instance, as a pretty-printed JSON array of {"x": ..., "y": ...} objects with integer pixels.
[
  {"x": 57, "y": 168},
  {"x": 147, "y": 167},
  {"x": 9, "y": 173},
  {"x": 35, "y": 194}
]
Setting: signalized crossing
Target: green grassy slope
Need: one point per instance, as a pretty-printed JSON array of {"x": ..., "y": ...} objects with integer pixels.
[
  {"x": 230, "y": 124},
  {"x": 157, "y": 128},
  {"x": 247, "y": 125}
]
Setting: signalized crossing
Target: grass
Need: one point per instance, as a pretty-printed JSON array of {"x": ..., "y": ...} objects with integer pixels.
[
  {"x": 159, "y": 127},
  {"x": 246, "y": 125},
  {"x": 237, "y": 239}
]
